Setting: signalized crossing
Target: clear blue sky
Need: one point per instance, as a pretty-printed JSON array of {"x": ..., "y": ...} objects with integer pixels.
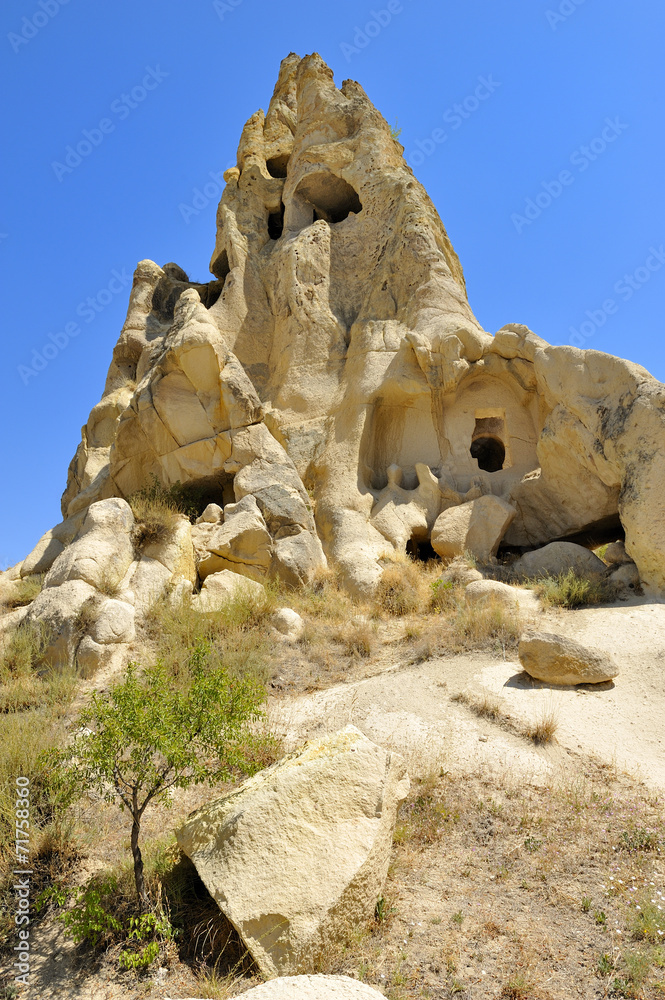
[{"x": 573, "y": 88}]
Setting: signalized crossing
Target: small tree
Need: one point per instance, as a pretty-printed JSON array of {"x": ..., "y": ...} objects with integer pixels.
[{"x": 148, "y": 736}]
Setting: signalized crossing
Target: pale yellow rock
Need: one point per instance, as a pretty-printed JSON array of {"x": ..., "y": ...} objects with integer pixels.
[
  {"x": 476, "y": 527},
  {"x": 242, "y": 543},
  {"x": 556, "y": 659},
  {"x": 219, "y": 588},
  {"x": 514, "y": 599},
  {"x": 616, "y": 555},
  {"x": 102, "y": 551},
  {"x": 557, "y": 558},
  {"x": 298, "y": 854},
  {"x": 114, "y": 622}
]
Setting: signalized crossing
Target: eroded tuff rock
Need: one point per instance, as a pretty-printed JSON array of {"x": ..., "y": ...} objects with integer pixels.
[
  {"x": 299, "y": 853},
  {"x": 335, "y": 356}
]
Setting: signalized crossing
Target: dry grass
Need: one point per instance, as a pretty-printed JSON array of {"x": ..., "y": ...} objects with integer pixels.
[
  {"x": 24, "y": 592},
  {"x": 359, "y": 639},
  {"x": 487, "y": 705},
  {"x": 156, "y": 518},
  {"x": 494, "y": 888}
]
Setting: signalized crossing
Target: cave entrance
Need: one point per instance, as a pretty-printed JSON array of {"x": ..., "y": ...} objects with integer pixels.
[
  {"x": 277, "y": 165},
  {"x": 329, "y": 197},
  {"x": 489, "y": 452},
  {"x": 276, "y": 223},
  {"x": 487, "y": 442},
  {"x": 420, "y": 549}
]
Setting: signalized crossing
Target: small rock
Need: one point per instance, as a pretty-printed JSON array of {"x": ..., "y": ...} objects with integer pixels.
[
  {"x": 626, "y": 577},
  {"x": 616, "y": 555},
  {"x": 219, "y": 588},
  {"x": 481, "y": 592},
  {"x": 556, "y": 659},
  {"x": 114, "y": 623},
  {"x": 459, "y": 572},
  {"x": 289, "y": 623},
  {"x": 213, "y": 514}
]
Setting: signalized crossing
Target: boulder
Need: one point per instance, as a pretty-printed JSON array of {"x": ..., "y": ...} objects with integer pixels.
[
  {"x": 219, "y": 588},
  {"x": 57, "y": 610},
  {"x": 114, "y": 623},
  {"x": 557, "y": 659},
  {"x": 459, "y": 572},
  {"x": 92, "y": 656},
  {"x": 242, "y": 543},
  {"x": 103, "y": 550},
  {"x": 616, "y": 555},
  {"x": 482, "y": 592},
  {"x": 626, "y": 577},
  {"x": 213, "y": 514},
  {"x": 299, "y": 852},
  {"x": 476, "y": 527},
  {"x": 288, "y": 623},
  {"x": 559, "y": 557}
]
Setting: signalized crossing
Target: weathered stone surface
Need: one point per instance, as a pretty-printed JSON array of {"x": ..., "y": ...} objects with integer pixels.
[
  {"x": 212, "y": 514},
  {"x": 482, "y": 592},
  {"x": 92, "y": 656},
  {"x": 559, "y": 557},
  {"x": 219, "y": 588},
  {"x": 300, "y": 851},
  {"x": 626, "y": 576},
  {"x": 476, "y": 527},
  {"x": 459, "y": 572},
  {"x": 242, "y": 543},
  {"x": 616, "y": 555},
  {"x": 557, "y": 659},
  {"x": 114, "y": 623},
  {"x": 102, "y": 551},
  {"x": 57, "y": 608}
]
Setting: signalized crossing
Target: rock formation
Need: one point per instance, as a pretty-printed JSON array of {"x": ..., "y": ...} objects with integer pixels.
[
  {"x": 299, "y": 853},
  {"x": 334, "y": 366}
]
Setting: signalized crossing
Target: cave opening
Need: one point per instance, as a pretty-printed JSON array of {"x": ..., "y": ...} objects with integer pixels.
[
  {"x": 420, "y": 549},
  {"x": 330, "y": 197},
  {"x": 489, "y": 452},
  {"x": 278, "y": 165},
  {"x": 276, "y": 223}
]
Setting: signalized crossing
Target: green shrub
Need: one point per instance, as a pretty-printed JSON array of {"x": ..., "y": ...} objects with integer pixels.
[
  {"x": 568, "y": 590},
  {"x": 148, "y": 736}
]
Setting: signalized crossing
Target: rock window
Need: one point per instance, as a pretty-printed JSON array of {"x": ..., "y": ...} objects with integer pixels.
[
  {"x": 276, "y": 224},
  {"x": 277, "y": 165}
]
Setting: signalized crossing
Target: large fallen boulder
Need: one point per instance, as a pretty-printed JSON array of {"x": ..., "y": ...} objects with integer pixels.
[
  {"x": 559, "y": 557},
  {"x": 480, "y": 593},
  {"x": 476, "y": 527},
  {"x": 557, "y": 659},
  {"x": 299, "y": 853}
]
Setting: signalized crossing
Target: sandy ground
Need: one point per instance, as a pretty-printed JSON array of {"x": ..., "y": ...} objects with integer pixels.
[{"x": 409, "y": 708}]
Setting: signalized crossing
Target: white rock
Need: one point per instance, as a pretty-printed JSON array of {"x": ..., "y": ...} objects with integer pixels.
[
  {"x": 114, "y": 623},
  {"x": 289, "y": 623},
  {"x": 213, "y": 514},
  {"x": 242, "y": 543},
  {"x": 56, "y": 608},
  {"x": 481, "y": 592},
  {"x": 219, "y": 588},
  {"x": 312, "y": 988},
  {"x": 299, "y": 853},
  {"x": 626, "y": 576},
  {"x": 477, "y": 527},
  {"x": 103, "y": 550},
  {"x": 615, "y": 554}
]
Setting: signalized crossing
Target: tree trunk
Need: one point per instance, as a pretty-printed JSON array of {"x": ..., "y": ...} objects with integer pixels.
[{"x": 144, "y": 902}]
